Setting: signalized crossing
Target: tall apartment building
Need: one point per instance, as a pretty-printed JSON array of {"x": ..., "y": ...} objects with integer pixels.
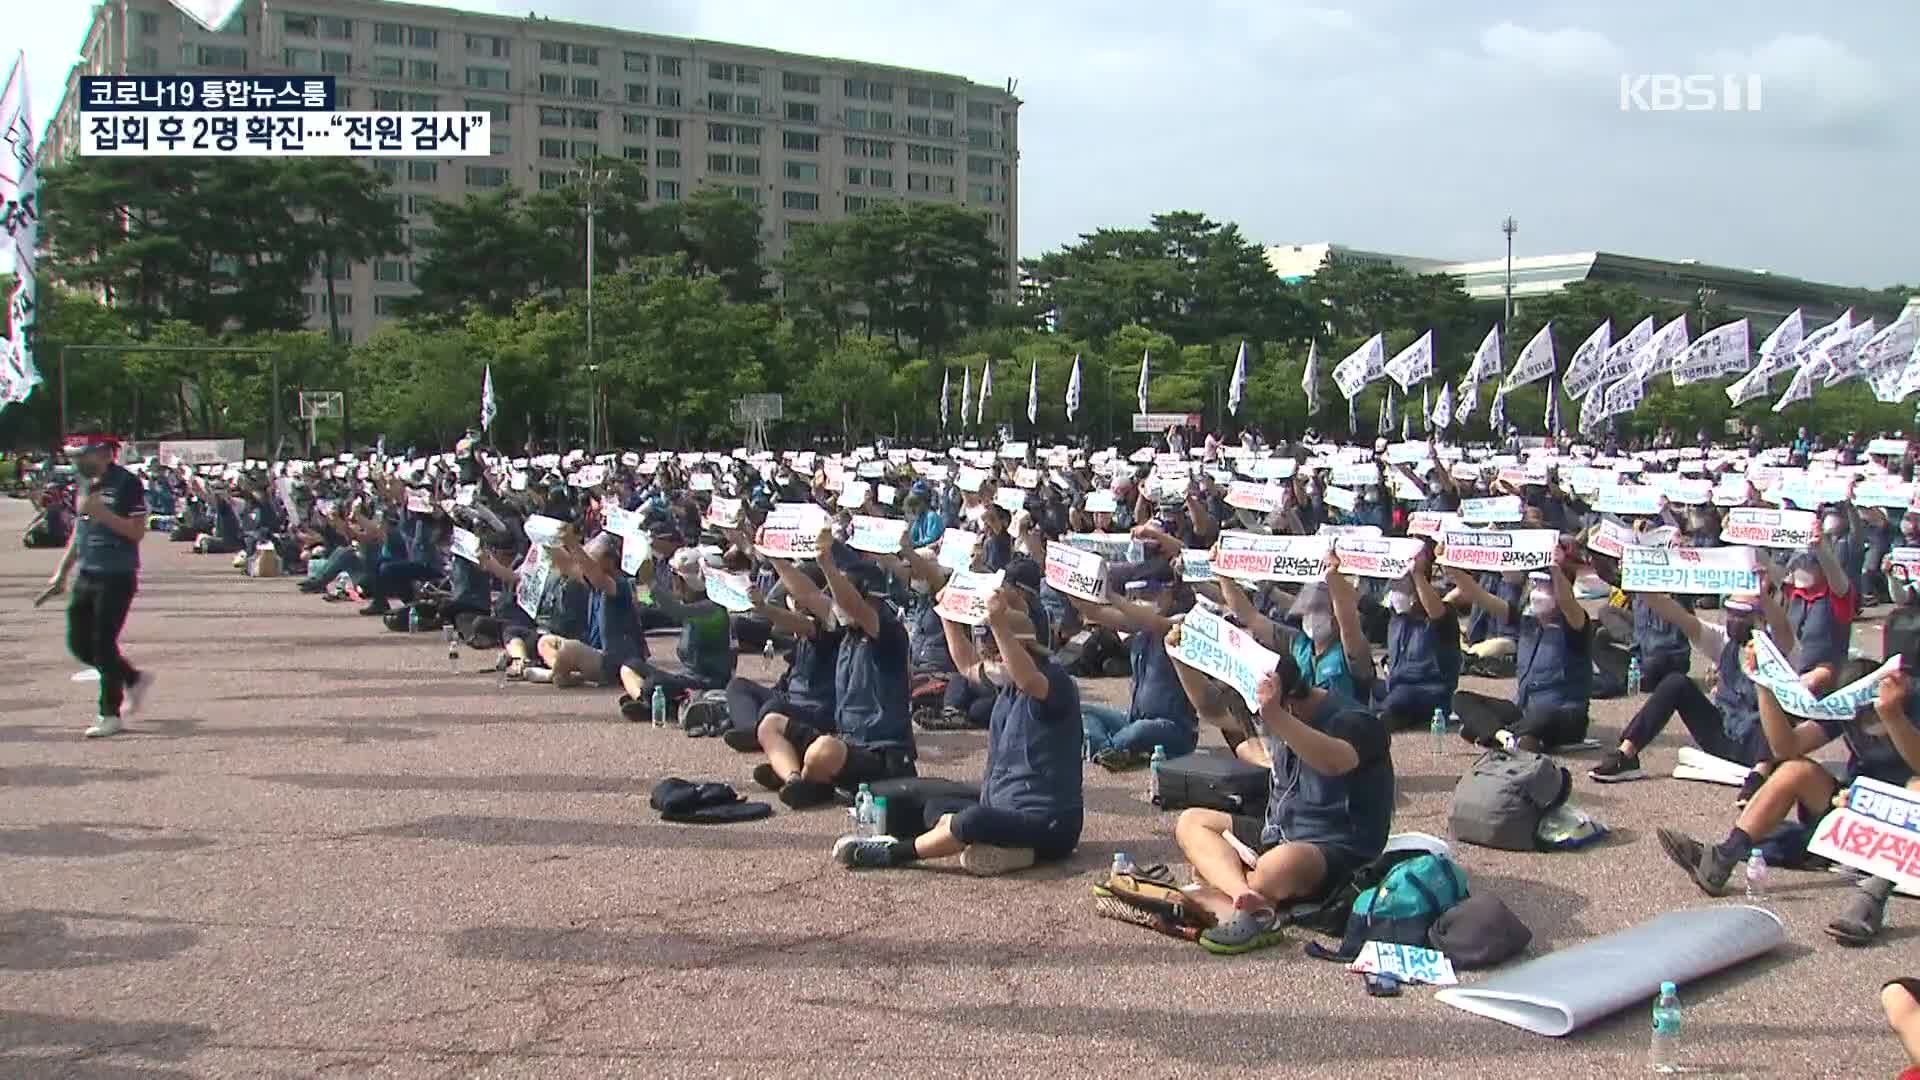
[{"x": 810, "y": 139}]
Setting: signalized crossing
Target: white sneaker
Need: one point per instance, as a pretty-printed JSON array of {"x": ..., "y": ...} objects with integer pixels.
[
  {"x": 135, "y": 695},
  {"x": 104, "y": 727},
  {"x": 987, "y": 860}
]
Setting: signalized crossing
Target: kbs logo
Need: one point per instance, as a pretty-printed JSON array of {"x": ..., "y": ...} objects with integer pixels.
[{"x": 1689, "y": 93}]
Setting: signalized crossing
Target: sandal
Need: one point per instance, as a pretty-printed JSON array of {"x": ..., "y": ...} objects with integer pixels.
[{"x": 516, "y": 668}]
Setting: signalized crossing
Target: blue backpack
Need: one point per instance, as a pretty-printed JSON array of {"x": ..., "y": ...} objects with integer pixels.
[{"x": 1402, "y": 908}]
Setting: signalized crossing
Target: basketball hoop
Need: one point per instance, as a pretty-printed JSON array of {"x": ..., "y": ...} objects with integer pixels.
[
  {"x": 317, "y": 405},
  {"x": 753, "y": 411}
]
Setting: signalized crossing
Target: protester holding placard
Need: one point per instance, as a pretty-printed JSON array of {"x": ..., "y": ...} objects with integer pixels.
[
  {"x": 1158, "y": 712},
  {"x": 1821, "y": 605},
  {"x": 924, "y": 524},
  {"x": 1727, "y": 724},
  {"x": 1883, "y": 743},
  {"x": 705, "y": 650},
  {"x": 1328, "y": 814},
  {"x": 613, "y": 640},
  {"x": 1491, "y": 640},
  {"x": 1423, "y": 650},
  {"x": 1031, "y": 805},
  {"x": 1554, "y": 661},
  {"x": 873, "y": 736},
  {"x": 805, "y": 691},
  {"x": 1330, "y": 644}
]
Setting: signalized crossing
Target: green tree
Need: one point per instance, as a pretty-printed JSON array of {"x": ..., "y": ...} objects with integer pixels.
[{"x": 345, "y": 216}]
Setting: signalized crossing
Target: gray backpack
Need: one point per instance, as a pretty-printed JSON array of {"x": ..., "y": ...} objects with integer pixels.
[{"x": 1500, "y": 802}]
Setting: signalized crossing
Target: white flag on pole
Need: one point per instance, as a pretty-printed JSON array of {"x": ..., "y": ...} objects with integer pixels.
[
  {"x": 1414, "y": 363},
  {"x": 1362, "y": 366},
  {"x": 1033, "y": 393},
  {"x": 1467, "y": 400},
  {"x": 1800, "y": 389},
  {"x": 1584, "y": 369},
  {"x": 488, "y": 408},
  {"x": 1617, "y": 361},
  {"x": 1486, "y": 359},
  {"x": 1141, "y": 393},
  {"x": 966, "y": 393},
  {"x": 1553, "y": 409},
  {"x": 986, "y": 392},
  {"x": 20, "y": 222},
  {"x": 946, "y": 384},
  {"x": 1720, "y": 351},
  {"x": 1073, "y": 389},
  {"x": 1536, "y": 361},
  {"x": 1660, "y": 351},
  {"x": 1778, "y": 347},
  {"x": 1237, "y": 389},
  {"x": 1497, "y": 414},
  {"x": 1842, "y": 353},
  {"x": 1442, "y": 416},
  {"x": 212, "y": 15},
  {"x": 1310, "y": 382},
  {"x": 1748, "y": 387},
  {"x": 1810, "y": 352}
]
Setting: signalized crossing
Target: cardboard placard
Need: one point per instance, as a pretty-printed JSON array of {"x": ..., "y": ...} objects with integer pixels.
[
  {"x": 723, "y": 513},
  {"x": 957, "y": 547},
  {"x": 1629, "y": 500},
  {"x": 732, "y": 591},
  {"x": 1499, "y": 550},
  {"x": 792, "y": 531},
  {"x": 1387, "y": 558},
  {"x": 964, "y": 600},
  {"x": 1077, "y": 572},
  {"x": 1011, "y": 499},
  {"x": 1498, "y": 510},
  {"x": 1876, "y": 830},
  {"x": 466, "y": 545},
  {"x": 1213, "y": 646},
  {"x": 877, "y": 535},
  {"x": 1249, "y": 556},
  {"x": 1261, "y": 498},
  {"x": 1101, "y": 502},
  {"x": 1759, "y": 527},
  {"x": 1707, "y": 571},
  {"x": 1432, "y": 523}
]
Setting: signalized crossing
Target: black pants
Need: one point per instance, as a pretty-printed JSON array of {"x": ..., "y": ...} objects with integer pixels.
[
  {"x": 971, "y": 698},
  {"x": 1677, "y": 695},
  {"x": 1611, "y": 660},
  {"x": 1482, "y": 716},
  {"x": 95, "y": 614}
]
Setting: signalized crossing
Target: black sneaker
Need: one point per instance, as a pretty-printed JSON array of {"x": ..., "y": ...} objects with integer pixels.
[
  {"x": 766, "y": 777},
  {"x": 1749, "y": 787},
  {"x": 633, "y": 709},
  {"x": 1617, "y": 767},
  {"x": 1114, "y": 760},
  {"x": 1860, "y": 922},
  {"x": 747, "y": 742},
  {"x": 805, "y": 794},
  {"x": 378, "y": 607},
  {"x": 1703, "y": 864}
]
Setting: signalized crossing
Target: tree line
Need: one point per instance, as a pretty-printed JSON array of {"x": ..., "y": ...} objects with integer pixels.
[{"x": 857, "y": 323}]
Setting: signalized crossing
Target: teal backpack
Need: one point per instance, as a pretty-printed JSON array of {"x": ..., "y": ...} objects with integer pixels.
[{"x": 1402, "y": 908}]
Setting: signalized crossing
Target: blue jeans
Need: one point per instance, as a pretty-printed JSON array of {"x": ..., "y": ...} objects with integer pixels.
[
  {"x": 1108, "y": 728},
  {"x": 342, "y": 560}
]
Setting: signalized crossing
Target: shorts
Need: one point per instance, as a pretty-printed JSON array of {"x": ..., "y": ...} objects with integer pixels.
[
  {"x": 864, "y": 764},
  {"x": 799, "y": 714},
  {"x": 1342, "y": 861},
  {"x": 1049, "y": 839}
]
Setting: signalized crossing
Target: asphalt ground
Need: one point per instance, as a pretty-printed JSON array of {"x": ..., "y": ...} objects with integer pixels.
[{"x": 321, "y": 852}]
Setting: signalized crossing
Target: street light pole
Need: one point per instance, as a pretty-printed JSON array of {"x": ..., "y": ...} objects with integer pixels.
[
  {"x": 592, "y": 178},
  {"x": 1509, "y": 226}
]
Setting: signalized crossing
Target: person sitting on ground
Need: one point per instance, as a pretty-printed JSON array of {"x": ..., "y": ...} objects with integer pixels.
[
  {"x": 226, "y": 537},
  {"x": 1726, "y": 725},
  {"x": 1883, "y": 743},
  {"x": 804, "y": 692},
  {"x": 612, "y": 641},
  {"x": 1331, "y": 644},
  {"x": 1555, "y": 666},
  {"x": 706, "y": 643},
  {"x": 1821, "y": 606},
  {"x": 1158, "y": 713},
  {"x": 1490, "y": 642},
  {"x": 1901, "y": 1000},
  {"x": 1031, "y": 803},
  {"x": 1423, "y": 650},
  {"x": 873, "y": 733},
  {"x": 1328, "y": 814}
]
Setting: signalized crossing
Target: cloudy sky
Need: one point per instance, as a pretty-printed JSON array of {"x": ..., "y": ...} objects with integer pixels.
[{"x": 1396, "y": 125}]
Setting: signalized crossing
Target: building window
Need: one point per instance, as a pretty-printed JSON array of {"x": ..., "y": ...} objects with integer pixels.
[
  {"x": 943, "y": 99},
  {"x": 389, "y": 270},
  {"x": 980, "y": 166},
  {"x": 553, "y": 148},
  {"x": 746, "y": 136},
  {"x": 489, "y": 45},
  {"x": 943, "y": 185},
  {"x": 386, "y": 305},
  {"x": 806, "y": 172},
  {"x": 855, "y": 89},
  {"x": 295, "y": 25},
  {"x": 423, "y": 237},
  {"x": 335, "y": 63},
  {"x": 880, "y": 178},
  {"x": 665, "y": 128},
  {"x": 746, "y": 106},
  {"x": 917, "y": 181},
  {"x": 499, "y": 143},
  {"x": 719, "y": 133},
  {"x": 388, "y": 67},
  {"x": 667, "y": 190},
  {"x": 635, "y": 61},
  {"x": 980, "y": 193},
  {"x": 301, "y": 59},
  {"x": 334, "y": 28},
  {"x": 880, "y": 121},
  {"x": 868, "y": 148},
  {"x": 719, "y": 102},
  {"x": 388, "y": 101},
  {"x": 553, "y": 84},
  {"x": 586, "y": 55},
  {"x": 389, "y": 34},
  {"x": 344, "y": 97},
  {"x": 667, "y": 97},
  {"x": 943, "y": 127},
  {"x": 587, "y": 119},
  {"x": 224, "y": 57},
  {"x": 421, "y": 37},
  {"x": 586, "y": 88},
  {"x": 800, "y": 200},
  {"x": 857, "y": 119},
  {"x": 583, "y": 149},
  {"x": 719, "y": 72},
  {"x": 856, "y": 176},
  {"x": 637, "y": 93},
  {"x": 746, "y": 74},
  {"x": 423, "y": 102},
  {"x": 980, "y": 138},
  {"x": 423, "y": 70},
  {"x": 856, "y": 203},
  {"x": 148, "y": 58},
  {"x": 633, "y": 124},
  {"x": 719, "y": 163},
  {"x": 553, "y": 52},
  {"x": 423, "y": 172},
  {"x": 919, "y": 97},
  {"x": 795, "y": 228},
  {"x": 979, "y": 110},
  {"x": 666, "y": 158},
  {"x": 936, "y": 155},
  {"x": 879, "y": 91},
  {"x": 488, "y": 78},
  {"x": 749, "y": 194},
  {"x": 552, "y": 181},
  {"x": 500, "y": 111},
  {"x": 796, "y": 83},
  {"x": 800, "y": 140},
  {"x": 670, "y": 67},
  {"x": 920, "y": 125},
  {"x": 634, "y": 153},
  {"x": 746, "y": 165},
  {"x": 805, "y": 112}
]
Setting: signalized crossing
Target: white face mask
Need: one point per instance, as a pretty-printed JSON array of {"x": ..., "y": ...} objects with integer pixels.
[
  {"x": 1542, "y": 604},
  {"x": 1803, "y": 579},
  {"x": 1400, "y": 602},
  {"x": 1318, "y": 627}
]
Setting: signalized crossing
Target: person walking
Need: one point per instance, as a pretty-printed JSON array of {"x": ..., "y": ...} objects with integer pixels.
[{"x": 105, "y": 547}]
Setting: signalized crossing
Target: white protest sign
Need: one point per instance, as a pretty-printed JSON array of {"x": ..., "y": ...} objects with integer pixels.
[
  {"x": 1498, "y": 510},
  {"x": 1769, "y": 528},
  {"x": 1883, "y": 491},
  {"x": 1262, "y": 498},
  {"x": 1629, "y": 500},
  {"x": 957, "y": 547},
  {"x": 1611, "y": 538},
  {"x": 1407, "y": 963},
  {"x": 1357, "y": 474},
  {"x": 1730, "y": 491},
  {"x": 1113, "y": 547},
  {"x": 1712, "y": 571},
  {"x": 732, "y": 591},
  {"x": 1196, "y": 566},
  {"x": 1337, "y": 531},
  {"x": 543, "y": 530},
  {"x": 1500, "y": 550},
  {"x": 853, "y": 495},
  {"x": 623, "y": 522},
  {"x": 1432, "y": 523},
  {"x": 723, "y": 513},
  {"x": 1887, "y": 447},
  {"x": 1252, "y": 557},
  {"x": 792, "y": 531},
  {"x": 1340, "y": 498},
  {"x": 1876, "y": 830},
  {"x": 885, "y": 494},
  {"x": 1010, "y": 499},
  {"x": 1077, "y": 572},
  {"x": 1903, "y": 563},
  {"x": 1767, "y": 666},
  {"x": 878, "y": 535},
  {"x": 535, "y": 570},
  {"x": 419, "y": 502},
  {"x": 1100, "y": 502},
  {"x": 969, "y": 480},
  {"x": 1683, "y": 491},
  {"x": 1213, "y": 646},
  {"x": 466, "y": 544},
  {"x": 964, "y": 600},
  {"x": 1273, "y": 468},
  {"x": 1389, "y": 558}
]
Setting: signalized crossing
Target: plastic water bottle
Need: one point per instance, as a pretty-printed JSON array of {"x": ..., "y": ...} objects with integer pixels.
[
  {"x": 1158, "y": 759},
  {"x": 453, "y": 651},
  {"x": 1122, "y": 864},
  {"x": 1663, "y": 1054},
  {"x": 1756, "y": 877},
  {"x": 766, "y": 651},
  {"x": 413, "y": 620},
  {"x": 1438, "y": 729},
  {"x": 864, "y": 826},
  {"x": 880, "y": 815},
  {"x": 1633, "y": 675},
  {"x": 659, "y": 706}
]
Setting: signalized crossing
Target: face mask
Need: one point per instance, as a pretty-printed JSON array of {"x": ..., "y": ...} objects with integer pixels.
[
  {"x": 1542, "y": 605},
  {"x": 1399, "y": 602},
  {"x": 1803, "y": 579},
  {"x": 1318, "y": 627}
]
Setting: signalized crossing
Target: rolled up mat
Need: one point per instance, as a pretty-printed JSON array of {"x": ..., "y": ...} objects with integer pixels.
[{"x": 1562, "y": 992}]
